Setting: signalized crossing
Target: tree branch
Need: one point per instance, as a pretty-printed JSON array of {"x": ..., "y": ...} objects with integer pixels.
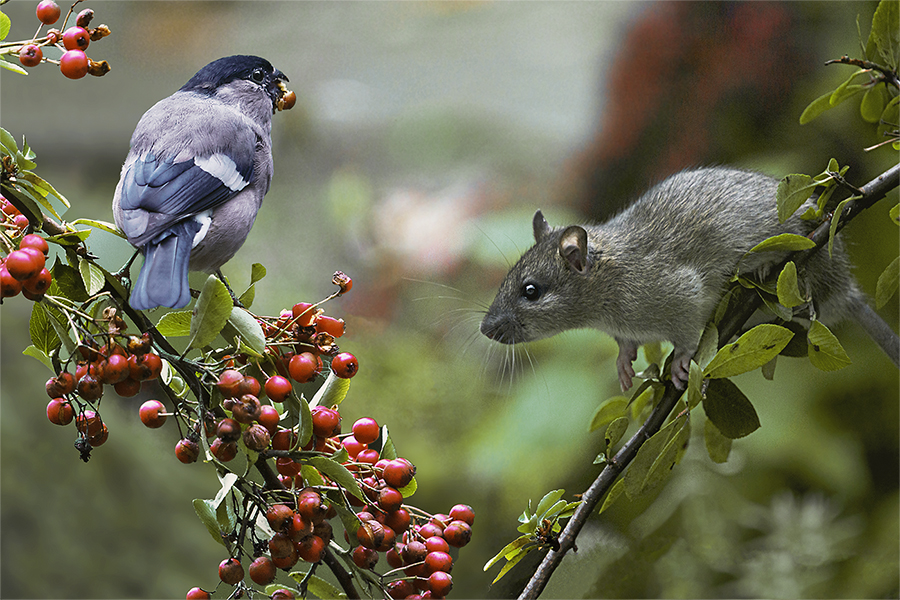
[{"x": 873, "y": 191}]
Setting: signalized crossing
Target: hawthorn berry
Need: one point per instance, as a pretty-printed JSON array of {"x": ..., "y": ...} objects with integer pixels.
[
  {"x": 437, "y": 544},
  {"x": 84, "y": 18},
  {"x": 365, "y": 430},
  {"x": 398, "y": 472},
  {"x": 278, "y": 388},
  {"x": 39, "y": 284},
  {"x": 247, "y": 409},
  {"x": 398, "y": 520},
  {"x": 413, "y": 552},
  {"x": 279, "y": 515},
  {"x": 138, "y": 345},
  {"x": 89, "y": 387},
  {"x": 74, "y": 64},
  {"x": 326, "y": 421},
  {"x": 30, "y": 55},
  {"x": 114, "y": 369},
  {"x": 262, "y": 570},
  {"x": 440, "y": 583},
  {"x": 268, "y": 418},
  {"x": 100, "y": 437},
  {"x": 187, "y": 451},
  {"x": 330, "y": 325},
  {"x": 48, "y": 12},
  {"x": 222, "y": 450},
  {"x": 438, "y": 561},
  {"x": 248, "y": 385},
  {"x": 23, "y": 265},
  {"x": 88, "y": 423},
  {"x": 256, "y": 437},
  {"x": 301, "y": 528},
  {"x": 282, "y": 594},
  {"x": 389, "y": 499},
  {"x": 231, "y": 571},
  {"x": 311, "y": 549},
  {"x": 457, "y": 533},
  {"x": 152, "y": 414},
  {"x": 344, "y": 365},
  {"x": 304, "y": 313},
  {"x": 368, "y": 455},
  {"x": 196, "y": 593},
  {"x": 365, "y": 558},
  {"x": 229, "y": 382},
  {"x": 9, "y": 285},
  {"x": 62, "y": 384},
  {"x": 370, "y": 534},
  {"x": 76, "y": 38},
  {"x": 144, "y": 367},
  {"x": 35, "y": 241},
  {"x": 60, "y": 411},
  {"x": 342, "y": 280},
  {"x": 463, "y": 512},
  {"x": 400, "y": 588},
  {"x": 353, "y": 446},
  {"x": 304, "y": 367},
  {"x": 128, "y": 388},
  {"x": 283, "y": 439}
]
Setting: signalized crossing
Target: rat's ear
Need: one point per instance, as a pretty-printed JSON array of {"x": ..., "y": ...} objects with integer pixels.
[
  {"x": 540, "y": 225},
  {"x": 573, "y": 247}
]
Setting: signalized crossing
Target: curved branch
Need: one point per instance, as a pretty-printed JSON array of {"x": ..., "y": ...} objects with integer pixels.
[{"x": 873, "y": 191}]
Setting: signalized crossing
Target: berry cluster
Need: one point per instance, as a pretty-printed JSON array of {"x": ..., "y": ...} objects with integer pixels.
[
  {"x": 22, "y": 270},
  {"x": 71, "y": 42}
]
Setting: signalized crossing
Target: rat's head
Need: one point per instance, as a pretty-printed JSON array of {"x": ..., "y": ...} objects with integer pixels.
[{"x": 543, "y": 294}]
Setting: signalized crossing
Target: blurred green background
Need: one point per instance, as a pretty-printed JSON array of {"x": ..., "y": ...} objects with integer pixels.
[{"x": 425, "y": 135}]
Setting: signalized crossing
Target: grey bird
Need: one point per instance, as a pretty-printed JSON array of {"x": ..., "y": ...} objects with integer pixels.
[{"x": 199, "y": 166}]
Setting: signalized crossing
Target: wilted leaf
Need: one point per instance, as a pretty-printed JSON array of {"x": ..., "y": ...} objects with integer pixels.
[
  {"x": 788, "y": 291},
  {"x": 751, "y": 351},
  {"x": 210, "y": 313},
  {"x": 729, "y": 409},
  {"x": 825, "y": 351},
  {"x": 717, "y": 445}
]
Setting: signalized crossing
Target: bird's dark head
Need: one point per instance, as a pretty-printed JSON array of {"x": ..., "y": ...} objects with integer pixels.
[{"x": 244, "y": 70}]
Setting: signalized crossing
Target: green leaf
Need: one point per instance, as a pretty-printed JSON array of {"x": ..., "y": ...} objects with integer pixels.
[
  {"x": 872, "y": 104},
  {"x": 388, "y": 451},
  {"x": 92, "y": 275},
  {"x": 695, "y": 384},
  {"x": 512, "y": 561},
  {"x": 846, "y": 91},
  {"x": 752, "y": 350},
  {"x": 614, "y": 492},
  {"x": 409, "y": 489},
  {"x": 615, "y": 431},
  {"x": 788, "y": 290},
  {"x": 332, "y": 392},
  {"x": 608, "y": 411},
  {"x": 12, "y": 66},
  {"x": 317, "y": 586},
  {"x": 895, "y": 214},
  {"x": 210, "y": 313},
  {"x": 816, "y": 108},
  {"x": 884, "y": 37},
  {"x": 311, "y": 476},
  {"x": 175, "y": 324},
  {"x": 708, "y": 346},
  {"x": 729, "y": 409},
  {"x": 207, "y": 513},
  {"x": 654, "y": 461},
  {"x": 785, "y": 242},
  {"x": 792, "y": 192},
  {"x": 825, "y": 351},
  {"x": 508, "y": 550},
  {"x": 835, "y": 221},
  {"x": 337, "y": 473},
  {"x": 70, "y": 238},
  {"x": 103, "y": 225},
  {"x": 40, "y": 355},
  {"x": 67, "y": 282},
  {"x": 5, "y": 24},
  {"x": 887, "y": 283},
  {"x": 717, "y": 445},
  {"x": 257, "y": 272},
  {"x": 549, "y": 499},
  {"x": 43, "y": 335},
  {"x": 246, "y": 299},
  {"x": 249, "y": 329},
  {"x": 27, "y": 203}
]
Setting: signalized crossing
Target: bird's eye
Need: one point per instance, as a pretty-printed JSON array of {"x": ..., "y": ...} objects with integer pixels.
[
  {"x": 531, "y": 292},
  {"x": 258, "y": 75}
]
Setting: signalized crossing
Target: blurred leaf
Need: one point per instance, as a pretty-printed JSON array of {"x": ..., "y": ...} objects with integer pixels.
[
  {"x": 615, "y": 431},
  {"x": 5, "y": 24},
  {"x": 315, "y": 585},
  {"x": 787, "y": 242},
  {"x": 885, "y": 34},
  {"x": 12, "y": 66},
  {"x": 816, "y": 108},
  {"x": 846, "y": 90},
  {"x": 508, "y": 550},
  {"x": 246, "y": 299},
  {"x": 729, "y": 409},
  {"x": 93, "y": 277},
  {"x": 872, "y": 104},
  {"x": 792, "y": 192},
  {"x": 895, "y": 214},
  {"x": 175, "y": 324},
  {"x": 210, "y": 313},
  {"x": 887, "y": 283},
  {"x": 614, "y": 492},
  {"x": 512, "y": 560},
  {"x": 708, "y": 346},
  {"x": 103, "y": 225},
  {"x": 752, "y": 350},
  {"x": 338, "y": 473},
  {"x": 42, "y": 333},
  {"x": 788, "y": 291},
  {"x": 825, "y": 351},
  {"x": 608, "y": 411},
  {"x": 409, "y": 489},
  {"x": 835, "y": 221},
  {"x": 249, "y": 329},
  {"x": 40, "y": 355},
  {"x": 640, "y": 402},
  {"x": 717, "y": 445},
  {"x": 695, "y": 384},
  {"x": 654, "y": 461}
]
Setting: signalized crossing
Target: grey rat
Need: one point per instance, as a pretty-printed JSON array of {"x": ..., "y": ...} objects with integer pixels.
[{"x": 657, "y": 270}]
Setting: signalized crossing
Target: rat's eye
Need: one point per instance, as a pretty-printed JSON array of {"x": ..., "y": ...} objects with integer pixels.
[
  {"x": 258, "y": 75},
  {"x": 531, "y": 292}
]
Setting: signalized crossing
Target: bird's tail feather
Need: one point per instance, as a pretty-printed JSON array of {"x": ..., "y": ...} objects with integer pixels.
[{"x": 163, "y": 280}]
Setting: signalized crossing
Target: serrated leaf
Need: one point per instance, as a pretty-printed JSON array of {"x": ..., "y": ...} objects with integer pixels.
[
  {"x": 103, "y": 225},
  {"x": 93, "y": 277},
  {"x": 337, "y": 473},
  {"x": 249, "y": 329},
  {"x": 615, "y": 431},
  {"x": 614, "y": 492},
  {"x": 207, "y": 513},
  {"x": 825, "y": 351},
  {"x": 210, "y": 313},
  {"x": 785, "y": 242},
  {"x": 40, "y": 355},
  {"x": 175, "y": 324},
  {"x": 887, "y": 283},
  {"x": 788, "y": 290},
  {"x": 332, "y": 392},
  {"x": 729, "y": 409},
  {"x": 717, "y": 445},
  {"x": 608, "y": 411},
  {"x": 43, "y": 335},
  {"x": 751, "y": 351},
  {"x": 792, "y": 192}
]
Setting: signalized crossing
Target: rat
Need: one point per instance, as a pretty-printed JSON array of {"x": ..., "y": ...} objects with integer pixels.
[{"x": 658, "y": 269}]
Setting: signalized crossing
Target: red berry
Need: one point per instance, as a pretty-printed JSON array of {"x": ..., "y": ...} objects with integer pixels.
[
  {"x": 89, "y": 388},
  {"x": 414, "y": 552},
  {"x": 370, "y": 534},
  {"x": 74, "y": 64},
  {"x": 366, "y": 430},
  {"x": 400, "y": 588},
  {"x": 309, "y": 505},
  {"x": 287, "y": 466},
  {"x": 368, "y": 455},
  {"x": 48, "y": 12},
  {"x": 128, "y": 388},
  {"x": 150, "y": 413},
  {"x": 330, "y": 325},
  {"x": 389, "y": 499},
  {"x": 283, "y": 439},
  {"x": 457, "y": 533},
  {"x": 60, "y": 412},
  {"x": 305, "y": 312},
  {"x": 40, "y": 283},
  {"x": 114, "y": 369},
  {"x": 84, "y": 18},
  {"x": 342, "y": 280},
  {"x": 269, "y": 417},
  {"x": 286, "y": 562},
  {"x": 88, "y": 423},
  {"x": 463, "y": 512},
  {"x": 100, "y": 438},
  {"x": 76, "y": 38},
  {"x": 344, "y": 365},
  {"x": 398, "y": 473},
  {"x": 246, "y": 409},
  {"x": 62, "y": 384},
  {"x": 438, "y": 561},
  {"x": 440, "y": 584},
  {"x": 301, "y": 528},
  {"x": 229, "y": 430},
  {"x": 229, "y": 383},
  {"x": 222, "y": 450},
  {"x": 231, "y": 571},
  {"x": 9, "y": 285},
  {"x": 262, "y": 570},
  {"x": 35, "y": 241},
  {"x": 30, "y": 55},
  {"x": 278, "y": 388},
  {"x": 145, "y": 367},
  {"x": 311, "y": 549},
  {"x": 353, "y": 446},
  {"x": 281, "y": 545},
  {"x": 187, "y": 451},
  {"x": 365, "y": 558},
  {"x": 304, "y": 367},
  {"x": 326, "y": 421},
  {"x": 282, "y": 594},
  {"x": 22, "y": 264},
  {"x": 196, "y": 593},
  {"x": 437, "y": 544},
  {"x": 249, "y": 385}
]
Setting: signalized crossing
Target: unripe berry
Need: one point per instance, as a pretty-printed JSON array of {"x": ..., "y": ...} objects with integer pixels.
[
  {"x": 48, "y": 12},
  {"x": 231, "y": 571},
  {"x": 150, "y": 413}
]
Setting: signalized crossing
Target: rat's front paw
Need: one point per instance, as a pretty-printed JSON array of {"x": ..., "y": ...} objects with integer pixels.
[
  {"x": 681, "y": 368},
  {"x": 627, "y": 355}
]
